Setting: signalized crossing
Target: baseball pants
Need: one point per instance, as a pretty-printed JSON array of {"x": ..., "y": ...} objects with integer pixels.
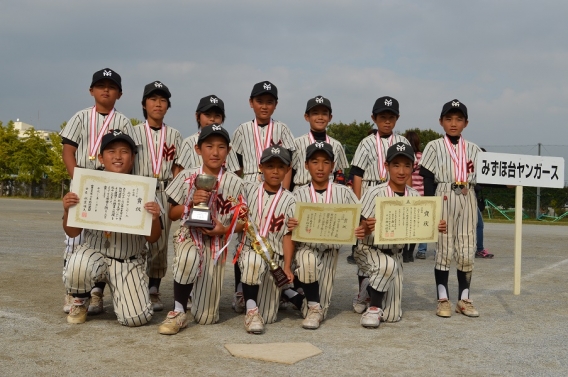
[{"x": 158, "y": 251}]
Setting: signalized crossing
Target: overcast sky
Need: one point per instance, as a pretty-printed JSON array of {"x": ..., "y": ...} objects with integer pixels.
[{"x": 506, "y": 60}]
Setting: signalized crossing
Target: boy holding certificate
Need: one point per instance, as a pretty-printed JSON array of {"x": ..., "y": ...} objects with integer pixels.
[
  {"x": 200, "y": 243},
  {"x": 270, "y": 206},
  {"x": 382, "y": 263},
  {"x": 316, "y": 263},
  {"x": 116, "y": 258}
]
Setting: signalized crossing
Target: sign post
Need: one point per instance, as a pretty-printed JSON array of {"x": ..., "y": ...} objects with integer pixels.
[{"x": 519, "y": 170}]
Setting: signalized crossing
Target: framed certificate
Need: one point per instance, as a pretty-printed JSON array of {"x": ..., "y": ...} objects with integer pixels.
[
  {"x": 112, "y": 202},
  {"x": 407, "y": 219},
  {"x": 326, "y": 223}
]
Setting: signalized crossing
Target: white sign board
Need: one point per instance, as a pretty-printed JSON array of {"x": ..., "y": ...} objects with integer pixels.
[{"x": 520, "y": 170}]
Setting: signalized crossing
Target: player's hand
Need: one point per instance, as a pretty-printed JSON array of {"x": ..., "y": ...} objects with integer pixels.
[
  {"x": 201, "y": 196},
  {"x": 153, "y": 208},
  {"x": 69, "y": 200},
  {"x": 219, "y": 229},
  {"x": 371, "y": 224},
  {"x": 289, "y": 274},
  {"x": 443, "y": 227},
  {"x": 292, "y": 223},
  {"x": 360, "y": 232}
]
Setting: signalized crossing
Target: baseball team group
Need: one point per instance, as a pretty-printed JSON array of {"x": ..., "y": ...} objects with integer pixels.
[{"x": 261, "y": 172}]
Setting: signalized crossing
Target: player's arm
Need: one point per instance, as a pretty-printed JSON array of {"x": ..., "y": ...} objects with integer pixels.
[
  {"x": 154, "y": 209},
  {"x": 443, "y": 226},
  {"x": 357, "y": 183},
  {"x": 292, "y": 223},
  {"x": 288, "y": 247},
  {"x": 69, "y": 158},
  {"x": 361, "y": 230},
  {"x": 287, "y": 180},
  {"x": 176, "y": 169},
  {"x": 69, "y": 200}
]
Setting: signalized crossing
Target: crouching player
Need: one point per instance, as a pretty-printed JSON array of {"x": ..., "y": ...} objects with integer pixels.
[
  {"x": 383, "y": 263},
  {"x": 115, "y": 258},
  {"x": 316, "y": 263}
]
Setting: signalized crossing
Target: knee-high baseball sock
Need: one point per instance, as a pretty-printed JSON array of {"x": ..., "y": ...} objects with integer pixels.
[
  {"x": 250, "y": 292},
  {"x": 181, "y": 295},
  {"x": 376, "y": 298},
  {"x": 237, "y": 276},
  {"x": 464, "y": 280},
  {"x": 442, "y": 283},
  {"x": 154, "y": 284},
  {"x": 311, "y": 290}
]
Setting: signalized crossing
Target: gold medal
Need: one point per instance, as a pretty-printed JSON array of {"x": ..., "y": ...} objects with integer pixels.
[
  {"x": 156, "y": 175},
  {"x": 107, "y": 244},
  {"x": 92, "y": 158}
]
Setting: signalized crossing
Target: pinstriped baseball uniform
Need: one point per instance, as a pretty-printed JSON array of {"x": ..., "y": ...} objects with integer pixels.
[
  {"x": 366, "y": 158},
  {"x": 459, "y": 211},
  {"x": 188, "y": 157},
  {"x": 243, "y": 143},
  {"x": 190, "y": 266},
  {"x": 318, "y": 262},
  {"x": 122, "y": 266},
  {"x": 158, "y": 256},
  {"x": 254, "y": 270},
  {"x": 77, "y": 132},
  {"x": 302, "y": 176},
  {"x": 384, "y": 271}
]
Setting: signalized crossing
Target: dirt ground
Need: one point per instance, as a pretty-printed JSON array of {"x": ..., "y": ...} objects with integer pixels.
[{"x": 514, "y": 335}]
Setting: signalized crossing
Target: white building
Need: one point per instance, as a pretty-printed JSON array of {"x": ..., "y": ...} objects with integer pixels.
[{"x": 23, "y": 127}]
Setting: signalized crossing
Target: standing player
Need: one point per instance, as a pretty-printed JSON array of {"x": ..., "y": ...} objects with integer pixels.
[
  {"x": 117, "y": 258},
  {"x": 318, "y": 115},
  {"x": 198, "y": 252},
  {"x": 210, "y": 110},
  {"x": 447, "y": 166},
  {"x": 252, "y": 138},
  {"x": 316, "y": 263},
  {"x": 81, "y": 140},
  {"x": 382, "y": 263},
  {"x": 270, "y": 208},
  {"x": 156, "y": 158}
]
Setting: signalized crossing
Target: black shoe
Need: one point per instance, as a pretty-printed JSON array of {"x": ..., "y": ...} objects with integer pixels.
[
  {"x": 351, "y": 259},
  {"x": 405, "y": 258}
]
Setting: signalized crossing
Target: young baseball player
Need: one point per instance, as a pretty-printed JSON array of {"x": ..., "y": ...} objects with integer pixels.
[
  {"x": 447, "y": 166},
  {"x": 210, "y": 110},
  {"x": 117, "y": 258},
  {"x": 252, "y": 138},
  {"x": 316, "y": 263},
  {"x": 81, "y": 140},
  {"x": 199, "y": 252},
  {"x": 157, "y": 157},
  {"x": 382, "y": 263},
  {"x": 318, "y": 115},
  {"x": 270, "y": 207}
]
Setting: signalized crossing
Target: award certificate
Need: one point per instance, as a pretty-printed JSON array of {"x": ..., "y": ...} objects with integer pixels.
[
  {"x": 407, "y": 219},
  {"x": 112, "y": 202},
  {"x": 326, "y": 223}
]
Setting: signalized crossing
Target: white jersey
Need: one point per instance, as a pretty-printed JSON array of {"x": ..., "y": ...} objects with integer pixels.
[
  {"x": 188, "y": 157},
  {"x": 120, "y": 245},
  {"x": 170, "y": 150},
  {"x": 243, "y": 143},
  {"x": 77, "y": 131},
  {"x": 340, "y": 194},
  {"x": 367, "y": 158},
  {"x": 368, "y": 208},
  {"x": 278, "y": 223},
  {"x": 302, "y": 175},
  {"x": 436, "y": 158}
]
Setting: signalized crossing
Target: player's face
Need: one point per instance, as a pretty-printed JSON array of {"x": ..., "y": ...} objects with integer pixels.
[
  {"x": 214, "y": 151},
  {"x": 320, "y": 167},
  {"x": 453, "y": 123},
  {"x": 117, "y": 157},
  {"x": 399, "y": 169},
  {"x": 274, "y": 171},
  {"x": 106, "y": 92},
  {"x": 318, "y": 117},
  {"x": 208, "y": 118},
  {"x": 263, "y": 107},
  {"x": 156, "y": 106},
  {"x": 385, "y": 122}
]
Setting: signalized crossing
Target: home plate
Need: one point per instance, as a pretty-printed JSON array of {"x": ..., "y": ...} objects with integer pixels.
[{"x": 285, "y": 353}]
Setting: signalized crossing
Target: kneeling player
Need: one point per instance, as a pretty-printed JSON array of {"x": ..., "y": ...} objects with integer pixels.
[
  {"x": 115, "y": 258},
  {"x": 316, "y": 263},
  {"x": 382, "y": 263}
]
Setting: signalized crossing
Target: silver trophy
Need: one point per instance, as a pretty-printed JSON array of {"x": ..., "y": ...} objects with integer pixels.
[{"x": 200, "y": 214}]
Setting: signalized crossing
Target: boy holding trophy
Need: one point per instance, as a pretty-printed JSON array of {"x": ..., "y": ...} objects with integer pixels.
[{"x": 203, "y": 199}]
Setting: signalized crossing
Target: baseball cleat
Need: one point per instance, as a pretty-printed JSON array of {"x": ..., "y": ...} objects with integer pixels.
[
  {"x": 78, "y": 312},
  {"x": 466, "y": 307},
  {"x": 96, "y": 305},
  {"x": 444, "y": 308},
  {"x": 254, "y": 323},
  {"x": 313, "y": 318},
  {"x": 372, "y": 317},
  {"x": 173, "y": 323}
]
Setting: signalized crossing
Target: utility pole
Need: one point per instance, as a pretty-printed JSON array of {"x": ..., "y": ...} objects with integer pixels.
[{"x": 538, "y": 192}]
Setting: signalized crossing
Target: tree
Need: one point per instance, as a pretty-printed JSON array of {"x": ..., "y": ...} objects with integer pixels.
[
  {"x": 57, "y": 171},
  {"x": 350, "y": 135},
  {"x": 425, "y": 136},
  {"x": 9, "y": 145},
  {"x": 31, "y": 159},
  {"x": 135, "y": 121}
]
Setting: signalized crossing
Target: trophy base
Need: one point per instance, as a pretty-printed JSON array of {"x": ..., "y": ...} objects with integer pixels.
[
  {"x": 199, "y": 224},
  {"x": 280, "y": 278},
  {"x": 199, "y": 218}
]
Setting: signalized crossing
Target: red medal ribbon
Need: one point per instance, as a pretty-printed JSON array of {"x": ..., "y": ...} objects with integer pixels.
[
  {"x": 95, "y": 142},
  {"x": 327, "y": 193},
  {"x": 381, "y": 156},
  {"x": 156, "y": 156},
  {"x": 263, "y": 229},
  {"x": 459, "y": 158},
  {"x": 267, "y": 138}
]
